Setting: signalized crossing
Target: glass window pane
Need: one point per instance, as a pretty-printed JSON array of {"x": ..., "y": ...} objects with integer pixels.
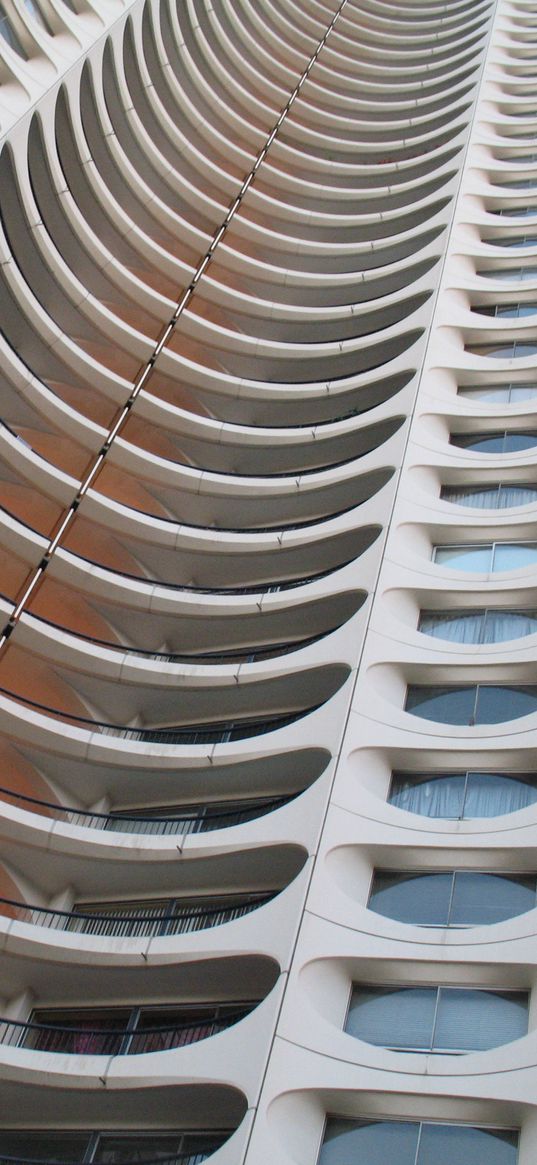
[
  {"x": 482, "y": 899},
  {"x": 455, "y": 1144},
  {"x": 472, "y": 1020},
  {"x": 419, "y": 899},
  {"x": 514, "y": 555},
  {"x": 523, "y": 392},
  {"x": 369, "y": 1143},
  {"x": 443, "y": 705},
  {"x": 393, "y": 1017},
  {"x": 457, "y": 627},
  {"x": 496, "y": 394},
  {"x": 480, "y": 442},
  {"x": 440, "y": 795},
  {"x": 127, "y": 1149},
  {"x": 478, "y": 558},
  {"x": 492, "y": 794},
  {"x": 45, "y": 1145},
  {"x": 497, "y": 704},
  {"x": 515, "y": 442}
]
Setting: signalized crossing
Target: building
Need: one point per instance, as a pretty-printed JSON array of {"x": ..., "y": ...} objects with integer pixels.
[{"x": 268, "y": 479}]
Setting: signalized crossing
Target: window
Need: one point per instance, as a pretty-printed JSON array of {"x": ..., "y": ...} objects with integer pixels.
[
  {"x": 513, "y": 241},
  {"x": 454, "y": 898},
  {"x": 516, "y": 211},
  {"x": 509, "y": 273},
  {"x": 490, "y": 497},
  {"x": 111, "y": 1148},
  {"x": 487, "y": 557},
  {"x": 504, "y": 441},
  {"x": 463, "y": 796},
  {"x": 510, "y": 311},
  {"x": 7, "y": 32},
  {"x": 122, "y": 1031},
  {"x": 33, "y": 9},
  {"x": 403, "y": 1142},
  {"x": 517, "y": 184},
  {"x": 499, "y": 393},
  {"x": 471, "y": 704},
  {"x": 515, "y": 349},
  {"x": 485, "y": 626},
  {"x": 447, "y": 1020}
]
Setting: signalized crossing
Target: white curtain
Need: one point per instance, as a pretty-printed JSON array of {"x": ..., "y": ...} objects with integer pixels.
[{"x": 503, "y": 498}]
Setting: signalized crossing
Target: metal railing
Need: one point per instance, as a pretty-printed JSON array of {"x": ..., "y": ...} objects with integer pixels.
[
  {"x": 193, "y": 819},
  {"x": 239, "y": 655},
  {"x": 264, "y": 588},
  {"x": 216, "y": 733},
  {"x": 180, "y": 1158},
  {"x": 137, "y": 920},
  {"x": 109, "y": 1041}
]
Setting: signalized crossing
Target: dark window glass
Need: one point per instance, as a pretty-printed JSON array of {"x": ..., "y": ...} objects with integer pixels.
[
  {"x": 44, "y": 1145},
  {"x": 452, "y": 898}
]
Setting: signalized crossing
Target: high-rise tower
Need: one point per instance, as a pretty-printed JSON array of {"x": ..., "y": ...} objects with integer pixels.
[{"x": 268, "y": 487}]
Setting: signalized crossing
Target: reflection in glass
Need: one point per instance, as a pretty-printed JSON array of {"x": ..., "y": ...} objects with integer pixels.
[
  {"x": 499, "y": 393},
  {"x": 452, "y": 898},
  {"x": 472, "y": 703},
  {"x": 387, "y": 1142},
  {"x": 437, "y": 1019},
  {"x": 491, "y": 497},
  {"x": 503, "y": 442},
  {"x": 463, "y": 796},
  {"x": 487, "y": 557},
  {"x": 485, "y": 626}
]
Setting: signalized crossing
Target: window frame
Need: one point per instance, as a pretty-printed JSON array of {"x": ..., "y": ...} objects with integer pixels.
[
  {"x": 482, "y": 545},
  {"x": 401, "y": 774},
  {"x": 474, "y": 612},
  {"x": 411, "y": 873},
  {"x": 438, "y": 988},
  {"x": 419, "y": 1124}
]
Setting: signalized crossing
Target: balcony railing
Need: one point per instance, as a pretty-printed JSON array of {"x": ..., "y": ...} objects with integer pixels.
[
  {"x": 69, "y": 1039},
  {"x": 193, "y": 819},
  {"x": 186, "y": 1157},
  {"x": 234, "y": 655},
  {"x": 138, "y": 919},
  {"x": 216, "y": 733}
]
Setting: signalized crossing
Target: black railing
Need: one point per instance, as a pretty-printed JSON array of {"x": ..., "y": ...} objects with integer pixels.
[
  {"x": 239, "y": 655},
  {"x": 193, "y": 819},
  {"x": 263, "y": 588},
  {"x": 180, "y": 1158},
  {"x": 216, "y": 733},
  {"x": 154, "y": 920},
  {"x": 109, "y": 1041}
]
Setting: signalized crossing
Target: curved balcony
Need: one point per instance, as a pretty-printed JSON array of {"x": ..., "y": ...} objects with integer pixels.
[
  {"x": 72, "y": 1147},
  {"x": 153, "y": 919},
  {"x": 216, "y": 733},
  {"x": 201, "y": 818},
  {"x": 115, "y": 1039}
]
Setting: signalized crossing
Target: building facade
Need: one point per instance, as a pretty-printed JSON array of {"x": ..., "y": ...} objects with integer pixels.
[{"x": 268, "y": 486}]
